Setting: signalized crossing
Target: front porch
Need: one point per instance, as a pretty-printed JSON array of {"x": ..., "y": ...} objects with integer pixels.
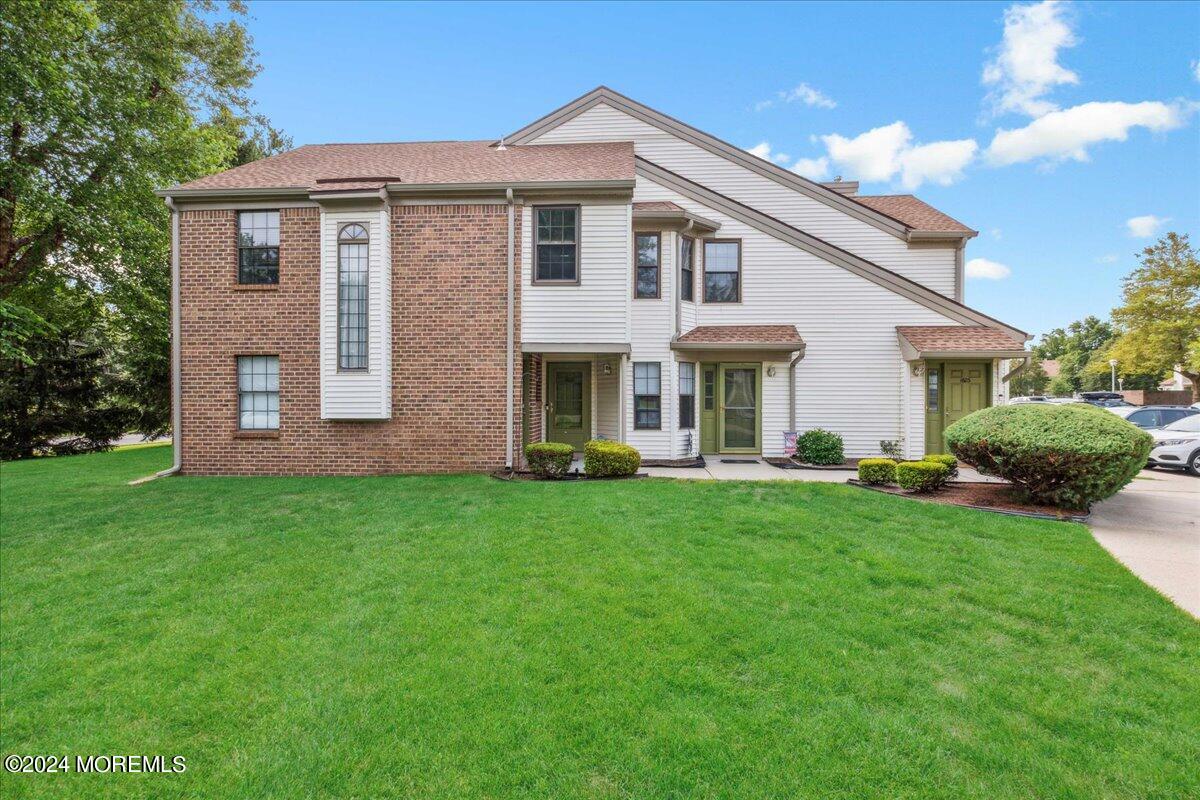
[{"x": 572, "y": 393}]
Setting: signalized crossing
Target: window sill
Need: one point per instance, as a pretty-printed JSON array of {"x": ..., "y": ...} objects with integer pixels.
[
  {"x": 256, "y": 287},
  {"x": 255, "y": 434},
  {"x": 555, "y": 283}
]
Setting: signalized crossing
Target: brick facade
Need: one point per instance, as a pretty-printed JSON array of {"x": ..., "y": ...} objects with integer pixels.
[{"x": 449, "y": 266}]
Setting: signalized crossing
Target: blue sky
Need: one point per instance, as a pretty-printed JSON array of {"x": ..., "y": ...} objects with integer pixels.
[{"x": 1052, "y": 199}]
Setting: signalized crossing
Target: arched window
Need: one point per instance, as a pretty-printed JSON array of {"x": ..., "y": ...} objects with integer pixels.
[{"x": 352, "y": 296}]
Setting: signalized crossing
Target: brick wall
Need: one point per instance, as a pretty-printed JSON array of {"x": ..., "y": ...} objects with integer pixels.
[{"x": 449, "y": 267}]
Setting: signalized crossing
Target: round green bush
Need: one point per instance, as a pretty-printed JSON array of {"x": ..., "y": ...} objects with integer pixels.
[
  {"x": 1062, "y": 455},
  {"x": 950, "y": 461},
  {"x": 921, "y": 476},
  {"x": 819, "y": 447},
  {"x": 877, "y": 471},
  {"x": 549, "y": 459},
  {"x": 603, "y": 459}
]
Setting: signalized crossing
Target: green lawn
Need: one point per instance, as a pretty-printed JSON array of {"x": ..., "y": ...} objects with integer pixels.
[{"x": 462, "y": 637}]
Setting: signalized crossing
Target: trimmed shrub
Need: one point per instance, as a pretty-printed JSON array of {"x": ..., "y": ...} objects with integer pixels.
[
  {"x": 921, "y": 476},
  {"x": 877, "y": 471},
  {"x": 1062, "y": 455},
  {"x": 950, "y": 461},
  {"x": 891, "y": 449},
  {"x": 603, "y": 459},
  {"x": 819, "y": 447},
  {"x": 549, "y": 459}
]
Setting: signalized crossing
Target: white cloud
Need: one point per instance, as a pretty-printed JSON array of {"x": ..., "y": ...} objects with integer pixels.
[
  {"x": 816, "y": 169},
  {"x": 763, "y": 150},
  {"x": 1109, "y": 258},
  {"x": 809, "y": 96},
  {"x": 870, "y": 156},
  {"x": 939, "y": 162},
  {"x": 997, "y": 234},
  {"x": 881, "y": 154},
  {"x": 987, "y": 270},
  {"x": 1026, "y": 65},
  {"x": 1066, "y": 134},
  {"x": 1145, "y": 226},
  {"x": 803, "y": 93},
  {"x": 1196, "y": 69}
]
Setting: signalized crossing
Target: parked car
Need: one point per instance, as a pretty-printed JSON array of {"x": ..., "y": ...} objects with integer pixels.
[
  {"x": 1177, "y": 446},
  {"x": 1064, "y": 400},
  {"x": 1149, "y": 417},
  {"x": 1033, "y": 398},
  {"x": 1100, "y": 398}
]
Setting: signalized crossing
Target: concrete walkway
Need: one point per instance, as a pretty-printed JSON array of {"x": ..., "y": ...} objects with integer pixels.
[
  {"x": 715, "y": 470},
  {"x": 1150, "y": 526}
]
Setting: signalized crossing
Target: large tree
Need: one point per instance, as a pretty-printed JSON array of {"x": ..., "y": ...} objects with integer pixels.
[
  {"x": 1158, "y": 321},
  {"x": 101, "y": 103}
]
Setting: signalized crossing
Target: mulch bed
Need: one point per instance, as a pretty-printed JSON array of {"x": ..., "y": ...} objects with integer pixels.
[
  {"x": 998, "y": 497},
  {"x": 513, "y": 475},
  {"x": 681, "y": 463},
  {"x": 850, "y": 464}
]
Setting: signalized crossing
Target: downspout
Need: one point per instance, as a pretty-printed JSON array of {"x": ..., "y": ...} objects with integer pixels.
[
  {"x": 508, "y": 407},
  {"x": 792, "y": 390},
  {"x": 176, "y": 348},
  {"x": 1012, "y": 373}
]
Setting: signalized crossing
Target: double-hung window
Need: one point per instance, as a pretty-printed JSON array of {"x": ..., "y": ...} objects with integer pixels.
[
  {"x": 687, "y": 395},
  {"x": 353, "y": 270},
  {"x": 723, "y": 271},
  {"x": 648, "y": 250},
  {"x": 556, "y": 244},
  {"x": 647, "y": 395},
  {"x": 258, "y": 393},
  {"x": 687, "y": 255},
  {"x": 258, "y": 247}
]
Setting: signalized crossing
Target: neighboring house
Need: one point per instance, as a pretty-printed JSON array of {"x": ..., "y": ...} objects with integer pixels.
[
  {"x": 1050, "y": 367},
  {"x": 606, "y": 271}
]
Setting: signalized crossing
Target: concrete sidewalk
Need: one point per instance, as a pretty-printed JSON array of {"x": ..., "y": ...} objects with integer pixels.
[
  {"x": 715, "y": 470},
  {"x": 1150, "y": 526}
]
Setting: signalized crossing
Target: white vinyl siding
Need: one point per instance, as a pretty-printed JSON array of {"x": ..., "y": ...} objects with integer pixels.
[
  {"x": 607, "y": 391},
  {"x": 360, "y": 394},
  {"x": 934, "y": 268},
  {"x": 595, "y": 309},
  {"x": 849, "y": 380}
]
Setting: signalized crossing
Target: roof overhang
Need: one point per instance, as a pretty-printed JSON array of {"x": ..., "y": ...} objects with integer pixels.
[
  {"x": 910, "y": 352},
  {"x": 772, "y": 347},
  {"x": 675, "y": 219},
  {"x": 584, "y": 187},
  {"x": 946, "y": 237},
  {"x": 575, "y": 347}
]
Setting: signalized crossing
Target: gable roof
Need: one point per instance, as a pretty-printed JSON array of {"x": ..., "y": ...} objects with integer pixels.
[
  {"x": 914, "y": 212},
  {"x": 346, "y": 167},
  {"x": 852, "y": 206},
  {"x": 856, "y": 264}
]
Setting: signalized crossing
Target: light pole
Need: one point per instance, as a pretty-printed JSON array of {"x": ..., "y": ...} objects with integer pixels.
[{"x": 1112, "y": 362}]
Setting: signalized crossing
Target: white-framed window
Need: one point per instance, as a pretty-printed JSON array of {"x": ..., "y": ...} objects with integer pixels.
[
  {"x": 647, "y": 395},
  {"x": 258, "y": 393},
  {"x": 687, "y": 395},
  {"x": 353, "y": 272}
]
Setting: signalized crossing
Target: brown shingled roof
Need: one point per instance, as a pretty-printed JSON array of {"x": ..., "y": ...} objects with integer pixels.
[
  {"x": 950, "y": 338},
  {"x": 337, "y": 167},
  {"x": 742, "y": 334},
  {"x": 657, "y": 205},
  {"x": 913, "y": 212}
]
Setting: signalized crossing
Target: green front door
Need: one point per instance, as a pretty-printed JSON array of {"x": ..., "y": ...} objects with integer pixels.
[
  {"x": 569, "y": 410},
  {"x": 739, "y": 416},
  {"x": 953, "y": 389},
  {"x": 708, "y": 408}
]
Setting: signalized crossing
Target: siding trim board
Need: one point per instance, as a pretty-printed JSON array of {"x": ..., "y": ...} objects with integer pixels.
[
  {"x": 602, "y": 95},
  {"x": 822, "y": 249}
]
